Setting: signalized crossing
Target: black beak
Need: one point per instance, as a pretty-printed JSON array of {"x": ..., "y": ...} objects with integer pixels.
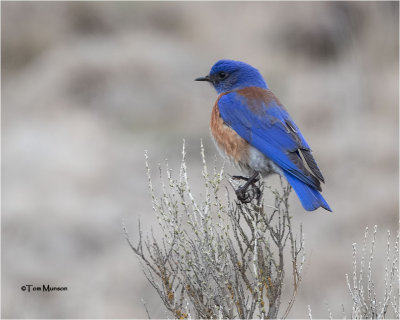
[{"x": 206, "y": 78}]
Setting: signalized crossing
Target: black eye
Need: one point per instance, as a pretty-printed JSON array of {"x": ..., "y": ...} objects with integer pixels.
[{"x": 222, "y": 75}]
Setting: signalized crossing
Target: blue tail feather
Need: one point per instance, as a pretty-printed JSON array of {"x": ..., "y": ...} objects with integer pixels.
[{"x": 309, "y": 197}]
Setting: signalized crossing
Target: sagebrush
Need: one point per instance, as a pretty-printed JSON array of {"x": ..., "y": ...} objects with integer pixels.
[{"x": 217, "y": 257}]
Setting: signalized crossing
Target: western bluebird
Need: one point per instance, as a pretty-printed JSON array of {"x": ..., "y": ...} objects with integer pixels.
[{"x": 252, "y": 128}]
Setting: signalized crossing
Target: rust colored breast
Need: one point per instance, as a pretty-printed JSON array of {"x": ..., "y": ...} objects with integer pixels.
[{"x": 227, "y": 140}]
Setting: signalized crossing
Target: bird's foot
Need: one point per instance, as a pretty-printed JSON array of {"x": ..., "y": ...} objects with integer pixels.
[
  {"x": 249, "y": 191},
  {"x": 246, "y": 195},
  {"x": 240, "y": 178},
  {"x": 242, "y": 195}
]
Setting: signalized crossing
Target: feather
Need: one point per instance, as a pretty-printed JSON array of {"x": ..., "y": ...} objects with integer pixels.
[{"x": 258, "y": 117}]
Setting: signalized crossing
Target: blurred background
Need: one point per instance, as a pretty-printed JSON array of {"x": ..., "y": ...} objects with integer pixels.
[{"x": 87, "y": 87}]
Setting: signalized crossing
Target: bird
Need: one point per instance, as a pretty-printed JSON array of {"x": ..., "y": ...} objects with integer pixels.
[{"x": 251, "y": 128}]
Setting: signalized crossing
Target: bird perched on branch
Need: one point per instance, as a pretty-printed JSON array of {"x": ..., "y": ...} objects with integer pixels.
[{"x": 252, "y": 128}]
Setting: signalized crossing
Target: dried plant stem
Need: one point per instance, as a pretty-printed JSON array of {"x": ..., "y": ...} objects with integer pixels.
[
  {"x": 216, "y": 257},
  {"x": 363, "y": 288}
]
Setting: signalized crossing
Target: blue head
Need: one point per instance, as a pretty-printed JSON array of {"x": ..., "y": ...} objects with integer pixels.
[{"x": 228, "y": 75}]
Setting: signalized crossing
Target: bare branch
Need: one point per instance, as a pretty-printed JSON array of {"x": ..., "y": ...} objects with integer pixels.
[{"x": 218, "y": 258}]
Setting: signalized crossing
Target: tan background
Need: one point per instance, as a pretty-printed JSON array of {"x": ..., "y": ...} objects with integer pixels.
[{"x": 87, "y": 87}]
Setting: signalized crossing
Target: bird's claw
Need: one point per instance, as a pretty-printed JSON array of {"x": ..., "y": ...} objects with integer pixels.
[
  {"x": 242, "y": 195},
  {"x": 249, "y": 191},
  {"x": 245, "y": 179},
  {"x": 246, "y": 195},
  {"x": 240, "y": 178}
]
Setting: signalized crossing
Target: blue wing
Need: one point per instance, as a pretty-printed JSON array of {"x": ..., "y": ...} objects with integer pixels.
[{"x": 259, "y": 119}]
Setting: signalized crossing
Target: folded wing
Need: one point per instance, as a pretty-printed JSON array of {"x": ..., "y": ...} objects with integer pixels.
[{"x": 258, "y": 117}]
